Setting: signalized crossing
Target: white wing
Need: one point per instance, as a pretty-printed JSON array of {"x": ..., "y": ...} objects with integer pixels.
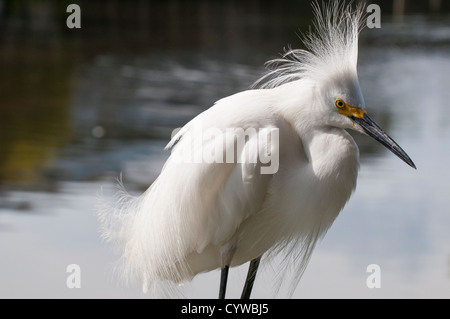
[{"x": 176, "y": 228}]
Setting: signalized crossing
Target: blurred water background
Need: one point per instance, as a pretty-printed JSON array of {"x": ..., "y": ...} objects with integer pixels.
[{"x": 79, "y": 107}]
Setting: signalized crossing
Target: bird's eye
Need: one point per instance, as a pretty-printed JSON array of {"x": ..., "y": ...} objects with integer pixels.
[{"x": 339, "y": 103}]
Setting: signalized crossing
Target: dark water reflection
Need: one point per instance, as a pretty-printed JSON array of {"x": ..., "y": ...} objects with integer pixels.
[
  {"x": 75, "y": 94},
  {"x": 81, "y": 106}
]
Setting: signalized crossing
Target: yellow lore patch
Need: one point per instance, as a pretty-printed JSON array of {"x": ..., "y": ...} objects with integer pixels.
[{"x": 348, "y": 110}]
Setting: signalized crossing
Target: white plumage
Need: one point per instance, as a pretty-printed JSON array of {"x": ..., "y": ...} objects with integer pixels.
[{"x": 198, "y": 216}]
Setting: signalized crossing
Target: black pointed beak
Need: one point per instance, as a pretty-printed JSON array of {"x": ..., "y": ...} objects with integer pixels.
[{"x": 372, "y": 129}]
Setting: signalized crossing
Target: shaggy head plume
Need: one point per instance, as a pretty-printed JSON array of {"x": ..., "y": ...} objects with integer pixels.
[{"x": 332, "y": 46}]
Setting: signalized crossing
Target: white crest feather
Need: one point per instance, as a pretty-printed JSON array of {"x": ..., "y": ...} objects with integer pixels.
[{"x": 331, "y": 47}]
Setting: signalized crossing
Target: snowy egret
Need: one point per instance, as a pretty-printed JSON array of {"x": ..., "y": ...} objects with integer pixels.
[{"x": 214, "y": 206}]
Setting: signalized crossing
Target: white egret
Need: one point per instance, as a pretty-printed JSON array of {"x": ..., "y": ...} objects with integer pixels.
[{"x": 213, "y": 205}]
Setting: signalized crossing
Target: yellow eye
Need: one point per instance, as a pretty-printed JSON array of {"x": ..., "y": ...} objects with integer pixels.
[{"x": 339, "y": 103}]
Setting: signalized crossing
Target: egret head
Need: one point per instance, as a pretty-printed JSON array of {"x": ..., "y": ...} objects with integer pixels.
[
  {"x": 339, "y": 97},
  {"x": 364, "y": 124},
  {"x": 330, "y": 64}
]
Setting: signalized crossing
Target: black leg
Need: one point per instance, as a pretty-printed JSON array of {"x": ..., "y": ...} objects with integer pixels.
[
  {"x": 252, "y": 269},
  {"x": 223, "y": 282}
]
